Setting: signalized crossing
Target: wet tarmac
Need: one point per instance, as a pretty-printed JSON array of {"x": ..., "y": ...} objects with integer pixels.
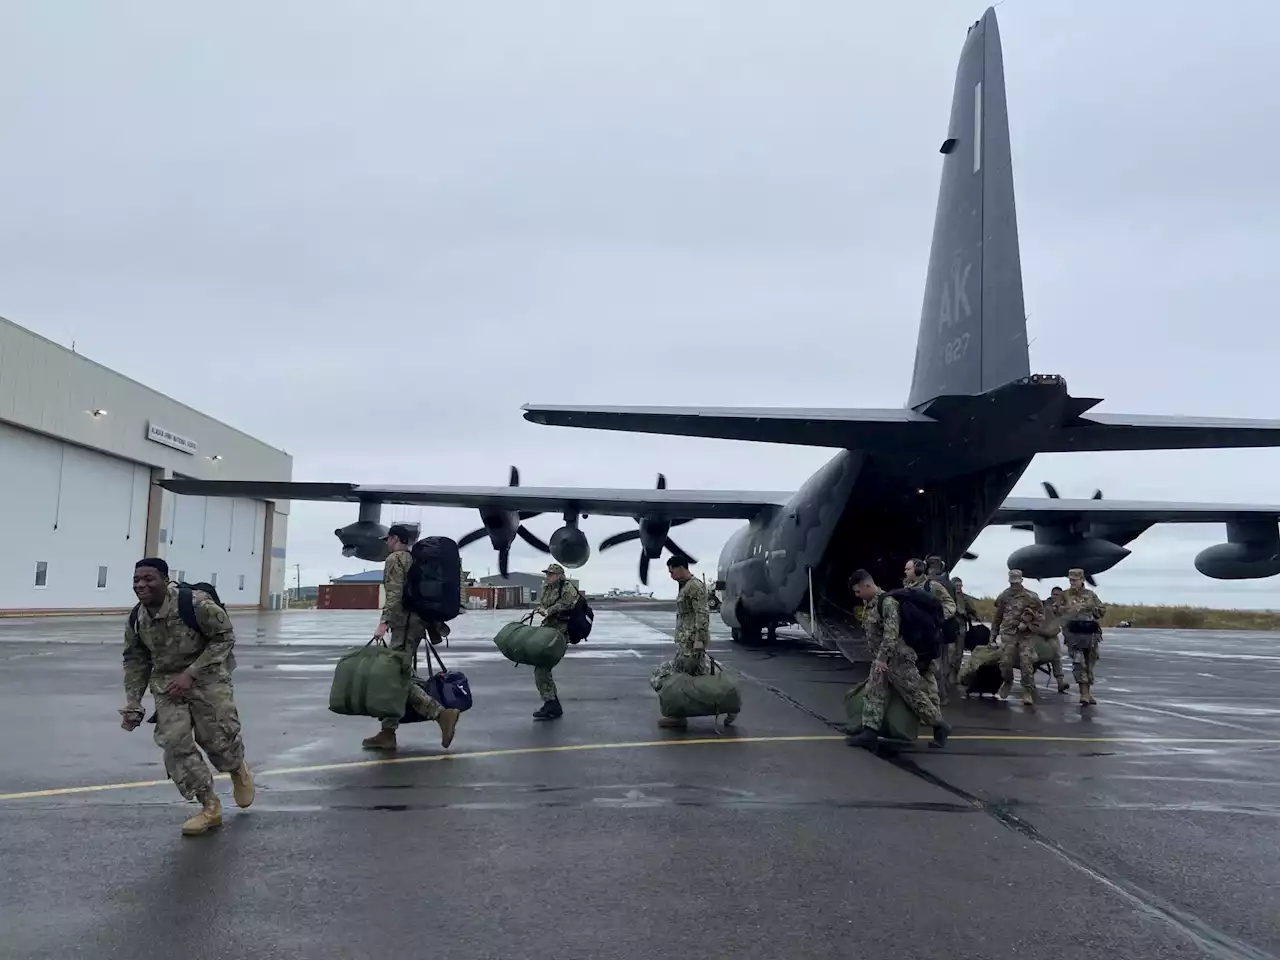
[{"x": 1144, "y": 827}]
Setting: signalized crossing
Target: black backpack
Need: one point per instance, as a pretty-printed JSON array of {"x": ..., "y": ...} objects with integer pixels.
[
  {"x": 433, "y": 588},
  {"x": 186, "y": 605},
  {"x": 920, "y": 621},
  {"x": 581, "y": 619},
  {"x": 947, "y": 585}
]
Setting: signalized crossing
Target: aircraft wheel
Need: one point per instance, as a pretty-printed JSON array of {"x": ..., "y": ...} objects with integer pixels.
[{"x": 746, "y": 636}]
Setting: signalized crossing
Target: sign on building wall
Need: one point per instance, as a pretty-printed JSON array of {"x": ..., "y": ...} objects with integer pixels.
[{"x": 168, "y": 438}]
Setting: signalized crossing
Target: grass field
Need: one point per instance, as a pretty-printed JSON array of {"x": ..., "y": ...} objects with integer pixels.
[{"x": 1184, "y": 618}]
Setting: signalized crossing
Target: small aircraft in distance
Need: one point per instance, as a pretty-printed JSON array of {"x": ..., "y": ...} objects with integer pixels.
[{"x": 920, "y": 479}]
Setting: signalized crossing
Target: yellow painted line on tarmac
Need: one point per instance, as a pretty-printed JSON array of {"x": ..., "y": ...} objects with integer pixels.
[{"x": 633, "y": 745}]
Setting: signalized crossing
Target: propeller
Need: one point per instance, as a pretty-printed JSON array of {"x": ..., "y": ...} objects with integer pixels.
[
  {"x": 496, "y": 519},
  {"x": 650, "y": 531},
  {"x": 1052, "y": 493}
]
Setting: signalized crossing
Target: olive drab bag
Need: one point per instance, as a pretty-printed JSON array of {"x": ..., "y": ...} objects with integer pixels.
[
  {"x": 709, "y": 695},
  {"x": 371, "y": 681},
  {"x": 899, "y": 723},
  {"x": 521, "y": 642}
]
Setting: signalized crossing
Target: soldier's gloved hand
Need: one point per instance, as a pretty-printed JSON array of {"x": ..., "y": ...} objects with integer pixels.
[{"x": 133, "y": 716}]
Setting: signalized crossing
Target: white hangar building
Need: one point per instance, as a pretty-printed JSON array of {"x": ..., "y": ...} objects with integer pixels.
[{"x": 80, "y": 447}]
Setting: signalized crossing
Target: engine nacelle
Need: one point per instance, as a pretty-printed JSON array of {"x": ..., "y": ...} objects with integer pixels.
[
  {"x": 1041, "y": 561},
  {"x": 569, "y": 547},
  {"x": 1252, "y": 552},
  {"x": 363, "y": 539}
]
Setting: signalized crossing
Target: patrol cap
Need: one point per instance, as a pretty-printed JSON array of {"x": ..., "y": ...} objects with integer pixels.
[
  {"x": 554, "y": 568},
  {"x": 1075, "y": 573},
  {"x": 1015, "y": 576},
  {"x": 400, "y": 532}
]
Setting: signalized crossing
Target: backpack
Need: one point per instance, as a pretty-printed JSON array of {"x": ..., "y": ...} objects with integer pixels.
[
  {"x": 186, "y": 605},
  {"x": 433, "y": 588},
  {"x": 581, "y": 619},
  {"x": 920, "y": 622}
]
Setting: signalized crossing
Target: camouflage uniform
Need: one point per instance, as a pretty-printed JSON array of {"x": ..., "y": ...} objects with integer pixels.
[
  {"x": 1018, "y": 612},
  {"x": 1053, "y": 607},
  {"x": 693, "y": 626},
  {"x": 407, "y": 631},
  {"x": 967, "y": 613},
  {"x": 933, "y": 684},
  {"x": 1082, "y": 604},
  {"x": 156, "y": 651},
  {"x": 558, "y": 602},
  {"x": 889, "y": 649}
]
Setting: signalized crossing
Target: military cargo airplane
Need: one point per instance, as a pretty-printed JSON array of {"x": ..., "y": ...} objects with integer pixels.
[{"x": 924, "y": 478}]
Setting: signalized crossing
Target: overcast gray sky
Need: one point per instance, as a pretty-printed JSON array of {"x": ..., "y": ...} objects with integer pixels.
[{"x": 348, "y": 206}]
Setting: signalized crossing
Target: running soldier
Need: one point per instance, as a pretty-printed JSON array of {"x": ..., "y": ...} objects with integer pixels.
[
  {"x": 407, "y": 631},
  {"x": 1082, "y": 614},
  {"x": 1018, "y": 613},
  {"x": 189, "y": 672},
  {"x": 556, "y": 601},
  {"x": 894, "y": 665}
]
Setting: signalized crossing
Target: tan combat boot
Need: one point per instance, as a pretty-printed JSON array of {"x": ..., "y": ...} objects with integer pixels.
[
  {"x": 382, "y": 740},
  {"x": 1084, "y": 694},
  {"x": 210, "y": 816},
  {"x": 1028, "y": 698},
  {"x": 448, "y": 720},
  {"x": 242, "y": 784}
]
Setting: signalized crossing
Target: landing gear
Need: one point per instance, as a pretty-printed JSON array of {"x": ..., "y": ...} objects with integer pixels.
[
  {"x": 772, "y": 633},
  {"x": 748, "y": 635}
]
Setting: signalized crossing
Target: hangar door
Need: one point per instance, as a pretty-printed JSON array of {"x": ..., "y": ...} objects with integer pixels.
[{"x": 215, "y": 539}]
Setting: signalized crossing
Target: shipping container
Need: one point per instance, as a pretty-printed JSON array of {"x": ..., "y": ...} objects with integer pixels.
[
  {"x": 349, "y": 596},
  {"x": 496, "y": 598}
]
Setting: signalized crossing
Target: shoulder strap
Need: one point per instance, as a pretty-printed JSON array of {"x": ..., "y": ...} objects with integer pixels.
[
  {"x": 133, "y": 617},
  {"x": 187, "y": 609}
]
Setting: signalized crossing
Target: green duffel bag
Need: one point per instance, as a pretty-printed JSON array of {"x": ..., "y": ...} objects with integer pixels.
[
  {"x": 1045, "y": 649},
  {"x": 900, "y": 721},
  {"x": 371, "y": 681},
  {"x": 522, "y": 642},
  {"x": 684, "y": 695}
]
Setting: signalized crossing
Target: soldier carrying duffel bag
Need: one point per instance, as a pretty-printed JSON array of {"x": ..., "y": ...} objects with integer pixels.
[{"x": 422, "y": 584}]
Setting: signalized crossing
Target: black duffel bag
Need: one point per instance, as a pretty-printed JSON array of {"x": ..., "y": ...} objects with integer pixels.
[{"x": 449, "y": 688}]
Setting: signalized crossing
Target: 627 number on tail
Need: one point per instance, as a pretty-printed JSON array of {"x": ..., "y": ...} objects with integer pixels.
[{"x": 955, "y": 350}]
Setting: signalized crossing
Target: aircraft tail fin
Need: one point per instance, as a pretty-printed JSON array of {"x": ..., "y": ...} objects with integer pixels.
[{"x": 973, "y": 331}]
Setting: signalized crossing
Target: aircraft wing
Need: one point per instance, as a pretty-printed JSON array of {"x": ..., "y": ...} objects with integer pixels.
[
  {"x": 682, "y": 504},
  {"x": 837, "y": 427},
  {"x": 1116, "y": 431},
  {"x": 1046, "y": 510}
]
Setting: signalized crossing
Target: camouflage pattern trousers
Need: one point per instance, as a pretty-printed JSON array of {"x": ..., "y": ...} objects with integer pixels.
[
  {"x": 205, "y": 715},
  {"x": 1082, "y": 661},
  {"x": 542, "y": 678},
  {"x": 902, "y": 675},
  {"x": 1019, "y": 648},
  {"x": 406, "y": 637},
  {"x": 690, "y": 661}
]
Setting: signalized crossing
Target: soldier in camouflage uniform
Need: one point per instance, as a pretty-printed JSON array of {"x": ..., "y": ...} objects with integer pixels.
[
  {"x": 967, "y": 614},
  {"x": 407, "y": 632},
  {"x": 894, "y": 665},
  {"x": 1080, "y": 605},
  {"x": 189, "y": 673},
  {"x": 916, "y": 574},
  {"x": 1054, "y": 609},
  {"x": 556, "y": 601},
  {"x": 1018, "y": 613},
  {"x": 693, "y": 635}
]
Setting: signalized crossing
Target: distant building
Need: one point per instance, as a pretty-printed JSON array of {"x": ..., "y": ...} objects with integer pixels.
[
  {"x": 364, "y": 576},
  {"x": 529, "y": 583}
]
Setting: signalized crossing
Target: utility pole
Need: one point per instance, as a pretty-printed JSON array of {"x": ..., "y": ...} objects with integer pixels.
[{"x": 297, "y": 567}]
